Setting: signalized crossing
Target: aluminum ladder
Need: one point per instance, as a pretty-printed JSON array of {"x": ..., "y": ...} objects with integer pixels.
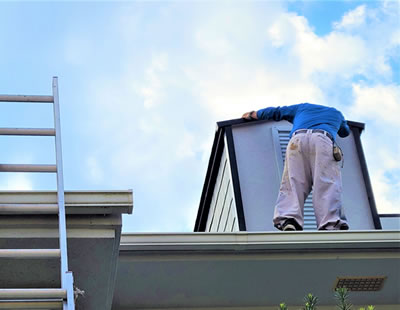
[{"x": 66, "y": 292}]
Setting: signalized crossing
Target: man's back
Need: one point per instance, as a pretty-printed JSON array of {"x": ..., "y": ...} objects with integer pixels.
[{"x": 308, "y": 116}]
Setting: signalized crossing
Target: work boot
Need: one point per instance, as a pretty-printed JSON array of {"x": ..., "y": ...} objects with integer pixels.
[{"x": 289, "y": 225}]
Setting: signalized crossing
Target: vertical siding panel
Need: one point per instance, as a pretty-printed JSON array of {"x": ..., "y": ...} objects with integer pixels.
[
  {"x": 223, "y": 215},
  {"x": 222, "y": 206},
  {"x": 217, "y": 189},
  {"x": 234, "y": 226},
  {"x": 228, "y": 215},
  {"x": 232, "y": 218},
  {"x": 225, "y": 210},
  {"x": 220, "y": 200}
]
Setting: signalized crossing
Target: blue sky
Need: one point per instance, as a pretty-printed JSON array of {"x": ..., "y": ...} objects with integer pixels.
[{"x": 143, "y": 83}]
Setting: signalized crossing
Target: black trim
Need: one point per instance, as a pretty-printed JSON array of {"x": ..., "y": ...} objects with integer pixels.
[
  {"x": 389, "y": 215},
  {"x": 356, "y": 124},
  {"x": 375, "y": 216},
  {"x": 209, "y": 182},
  {"x": 235, "y": 179},
  {"x": 238, "y": 121}
]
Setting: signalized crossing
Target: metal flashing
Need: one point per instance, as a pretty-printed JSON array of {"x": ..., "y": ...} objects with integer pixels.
[
  {"x": 389, "y": 215},
  {"x": 235, "y": 179},
  {"x": 370, "y": 195},
  {"x": 209, "y": 182}
]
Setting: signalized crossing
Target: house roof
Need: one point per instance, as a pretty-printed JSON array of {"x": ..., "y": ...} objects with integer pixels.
[
  {"x": 190, "y": 270},
  {"x": 76, "y": 202},
  {"x": 93, "y": 228},
  {"x": 224, "y": 128}
]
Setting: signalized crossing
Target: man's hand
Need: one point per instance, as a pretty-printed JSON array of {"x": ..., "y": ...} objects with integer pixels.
[{"x": 250, "y": 115}]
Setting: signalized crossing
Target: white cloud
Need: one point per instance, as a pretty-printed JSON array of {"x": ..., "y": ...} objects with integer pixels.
[
  {"x": 386, "y": 192},
  {"x": 17, "y": 182},
  {"x": 186, "y": 147},
  {"x": 378, "y": 106},
  {"x": 380, "y": 103},
  {"x": 152, "y": 90},
  {"x": 361, "y": 43},
  {"x": 94, "y": 169},
  {"x": 213, "y": 44},
  {"x": 352, "y": 19},
  {"x": 281, "y": 32}
]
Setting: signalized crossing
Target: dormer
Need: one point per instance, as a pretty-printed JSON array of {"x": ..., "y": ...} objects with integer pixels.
[{"x": 245, "y": 170}]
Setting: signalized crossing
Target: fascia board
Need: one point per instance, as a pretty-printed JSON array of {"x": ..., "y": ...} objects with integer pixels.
[
  {"x": 76, "y": 202},
  {"x": 243, "y": 241}
]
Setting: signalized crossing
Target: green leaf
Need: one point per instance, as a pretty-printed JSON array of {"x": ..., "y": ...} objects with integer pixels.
[
  {"x": 342, "y": 295},
  {"x": 310, "y": 302},
  {"x": 282, "y": 306}
]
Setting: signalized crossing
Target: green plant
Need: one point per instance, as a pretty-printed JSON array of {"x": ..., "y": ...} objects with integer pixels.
[
  {"x": 310, "y": 302},
  {"x": 342, "y": 295},
  {"x": 282, "y": 306},
  {"x": 370, "y": 307}
]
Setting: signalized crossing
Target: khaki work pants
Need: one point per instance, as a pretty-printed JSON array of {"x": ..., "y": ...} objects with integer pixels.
[{"x": 309, "y": 164}]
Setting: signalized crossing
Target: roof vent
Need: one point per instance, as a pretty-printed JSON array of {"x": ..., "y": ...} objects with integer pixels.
[{"x": 360, "y": 284}]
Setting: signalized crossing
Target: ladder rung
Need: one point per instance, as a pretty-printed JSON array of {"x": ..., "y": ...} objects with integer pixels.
[
  {"x": 23, "y": 98},
  {"x": 20, "y": 208},
  {"x": 33, "y": 293},
  {"x": 27, "y": 131},
  {"x": 30, "y": 253},
  {"x": 32, "y": 304},
  {"x": 27, "y": 168}
]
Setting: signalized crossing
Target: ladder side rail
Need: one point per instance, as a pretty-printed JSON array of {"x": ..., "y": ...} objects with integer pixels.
[
  {"x": 60, "y": 183},
  {"x": 66, "y": 276}
]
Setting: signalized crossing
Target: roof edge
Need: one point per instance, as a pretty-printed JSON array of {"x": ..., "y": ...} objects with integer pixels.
[
  {"x": 76, "y": 202},
  {"x": 243, "y": 241},
  {"x": 238, "y": 121}
]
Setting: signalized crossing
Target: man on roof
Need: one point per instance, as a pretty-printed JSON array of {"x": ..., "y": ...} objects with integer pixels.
[{"x": 312, "y": 162}]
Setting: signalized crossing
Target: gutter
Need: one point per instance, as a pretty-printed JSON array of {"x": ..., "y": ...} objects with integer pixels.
[{"x": 268, "y": 242}]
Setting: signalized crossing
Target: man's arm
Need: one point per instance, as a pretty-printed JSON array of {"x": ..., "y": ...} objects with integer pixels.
[
  {"x": 273, "y": 113},
  {"x": 250, "y": 115},
  {"x": 278, "y": 113},
  {"x": 344, "y": 129}
]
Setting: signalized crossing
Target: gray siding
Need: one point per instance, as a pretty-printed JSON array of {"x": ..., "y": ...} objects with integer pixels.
[
  {"x": 259, "y": 175},
  {"x": 222, "y": 216}
]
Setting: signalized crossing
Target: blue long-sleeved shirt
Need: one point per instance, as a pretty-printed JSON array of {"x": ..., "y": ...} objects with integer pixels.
[{"x": 308, "y": 116}]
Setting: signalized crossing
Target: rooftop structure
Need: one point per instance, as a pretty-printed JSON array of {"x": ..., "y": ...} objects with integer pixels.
[{"x": 245, "y": 170}]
